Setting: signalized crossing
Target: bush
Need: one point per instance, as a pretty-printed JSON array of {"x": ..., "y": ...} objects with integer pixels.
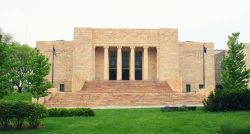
[
  {"x": 60, "y": 112},
  {"x": 35, "y": 113},
  {"x": 181, "y": 108},
  {"x": 19, "y": 111},
  {"x": 232, "y": 128},
  {"x": 16, "y": 113},
  {"x": 6, "y": 114},
  {"x": 228, "y": 100}
]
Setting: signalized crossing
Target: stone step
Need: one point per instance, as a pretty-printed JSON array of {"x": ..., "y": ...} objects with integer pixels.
[{"x": 123, "y": 93}]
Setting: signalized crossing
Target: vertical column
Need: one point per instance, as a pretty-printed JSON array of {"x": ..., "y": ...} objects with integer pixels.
[
  {"x": 145, "y": 63},
  {"x": 158, "y": 61},
  {"x": 119, "y": 63},
  {"x": 132, "y": 64},
  {"x": 106, "y": 63}
]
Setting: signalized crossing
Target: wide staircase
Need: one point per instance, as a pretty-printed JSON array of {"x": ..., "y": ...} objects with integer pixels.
[{"x": 123, "y": 94}]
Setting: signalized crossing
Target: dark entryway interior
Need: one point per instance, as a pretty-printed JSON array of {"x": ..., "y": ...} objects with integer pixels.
[
  {"x": 125, "y": 65},
  {"x": 138, "y": 65},
  {"x": 112, "y": 65}
]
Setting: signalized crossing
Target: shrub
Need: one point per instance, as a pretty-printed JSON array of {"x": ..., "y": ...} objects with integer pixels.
[
  {"x": 60, "y": 112},
  {"x": 6, "y": 114},
  {"x": 228, "y": 100},
  {"x": 16, "y": 113},
  {"x": 19, "y": 111},
  {"x": 181, "y": 108},
  {"x": 35, "y": 113},
  {"x": 232, "y": 128}
]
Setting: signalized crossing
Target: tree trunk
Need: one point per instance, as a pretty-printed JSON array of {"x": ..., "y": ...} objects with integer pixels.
[{"x": 19, "y": 89}]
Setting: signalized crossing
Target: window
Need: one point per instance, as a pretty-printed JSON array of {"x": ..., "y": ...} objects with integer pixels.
[
  {"x": 138, "y": 65},
  {"x": 201, "y": 86},
  {"x": 112, "y": 65},
  {"x": 61, "y": 87},
  {"x": 188, "y": 88}
]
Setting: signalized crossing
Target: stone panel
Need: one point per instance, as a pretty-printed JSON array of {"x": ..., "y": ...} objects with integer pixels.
[
  {"x": 99, "y": 63},
  {"x": 121, "y": 36},
  {"x": 152, "y": 64},
  {"x": 83, "y": 61}
]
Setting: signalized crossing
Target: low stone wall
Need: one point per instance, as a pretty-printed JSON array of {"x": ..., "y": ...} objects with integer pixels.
[{"x": 42, "y": 100}]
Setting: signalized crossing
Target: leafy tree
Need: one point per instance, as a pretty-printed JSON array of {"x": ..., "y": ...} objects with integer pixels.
[
  {"x": 5, "y": 84},
  {"x": 40, "y": 68},
  {"x": 20, "y": 55},
  {"x": 234, "y": 75},
  {"x": 7, "y": 38}
]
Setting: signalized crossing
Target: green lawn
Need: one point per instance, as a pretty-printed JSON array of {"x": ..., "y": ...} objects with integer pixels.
[
  {"x": 26, "y": 97},
  {"x": 139, "y": 121}
]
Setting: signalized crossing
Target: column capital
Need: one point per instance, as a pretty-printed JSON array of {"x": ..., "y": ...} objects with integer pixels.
[
  {"x": 119, "y": 47},
  {"x": 106, "y": 47},
  {"x": 132, "y": 47},
  {"x": 146, "y": 47}
]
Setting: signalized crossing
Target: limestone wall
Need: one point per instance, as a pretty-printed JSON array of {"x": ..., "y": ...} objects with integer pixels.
[
  {"x": 84, "y": 59},
  {"x": 62, "y": 61},
  {"x": 247, "y": 57},
  {"x": 168, "y": 58},
  {"x": 191, "y": 65},
  {"x": 218, "y": 56}
]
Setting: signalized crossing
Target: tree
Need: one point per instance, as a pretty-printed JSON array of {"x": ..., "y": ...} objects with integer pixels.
[
  {"x": 20, "y": 55},
  {"x": 234, "y": 75},
  {"x": 5, "y": 84},
  {"x": 40, "y": 68}
]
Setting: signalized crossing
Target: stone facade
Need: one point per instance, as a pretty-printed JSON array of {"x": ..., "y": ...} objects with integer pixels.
[{"x": 182, "y": 65}]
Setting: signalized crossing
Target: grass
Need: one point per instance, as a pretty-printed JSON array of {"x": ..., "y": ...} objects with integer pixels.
[
  {"x": 139, "y": 121},
  {"x": 24, "y": 96},
  {"x": 235, "y": 128}
]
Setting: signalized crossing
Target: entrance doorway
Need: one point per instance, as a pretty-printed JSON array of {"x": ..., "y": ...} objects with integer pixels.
[
  {"x": 112, "y": 65},
  {"x": 138, "y": 65},
  {"x": 125, "y": 65}
]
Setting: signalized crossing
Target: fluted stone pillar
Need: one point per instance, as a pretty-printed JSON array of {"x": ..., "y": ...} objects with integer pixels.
[
  {"x": 132, "y": 64},
  {"x": 106, "y": 63},
  {"x": 119, "y": 63},
  {"x": 145, "y": 63}
]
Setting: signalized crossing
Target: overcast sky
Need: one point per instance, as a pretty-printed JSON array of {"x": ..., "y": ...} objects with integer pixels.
[{"x": 196, "y": 20}]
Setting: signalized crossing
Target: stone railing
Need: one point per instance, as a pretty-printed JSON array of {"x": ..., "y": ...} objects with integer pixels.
[{"x": 42, "y": 100}]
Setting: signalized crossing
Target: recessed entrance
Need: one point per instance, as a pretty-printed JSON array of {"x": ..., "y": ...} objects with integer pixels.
[
  {"x": 125, "y": 65},
  {"x": 138, "y": 65},
  {"x": 112, "y": 65}
]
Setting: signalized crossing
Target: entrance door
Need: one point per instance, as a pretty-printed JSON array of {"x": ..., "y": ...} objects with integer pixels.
[
  {"x": 112, "y": 65},
  {"x": 125, "y": 65},
  {"x": 138, "y": 65}
]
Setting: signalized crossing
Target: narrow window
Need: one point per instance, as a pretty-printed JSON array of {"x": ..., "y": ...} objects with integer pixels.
[
  {"x": 188, "y": 88},
  {"x": 201, "y": 86},
  {"x": 61, "y": 87}
]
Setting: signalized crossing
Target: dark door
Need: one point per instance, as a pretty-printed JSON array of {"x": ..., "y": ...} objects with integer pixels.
[
  {"x": 138, "y": 65},
  {"x": 112, "y": 65},
  {"x": 125, "y": 65},
  {"x": 61, "y": 87}
]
